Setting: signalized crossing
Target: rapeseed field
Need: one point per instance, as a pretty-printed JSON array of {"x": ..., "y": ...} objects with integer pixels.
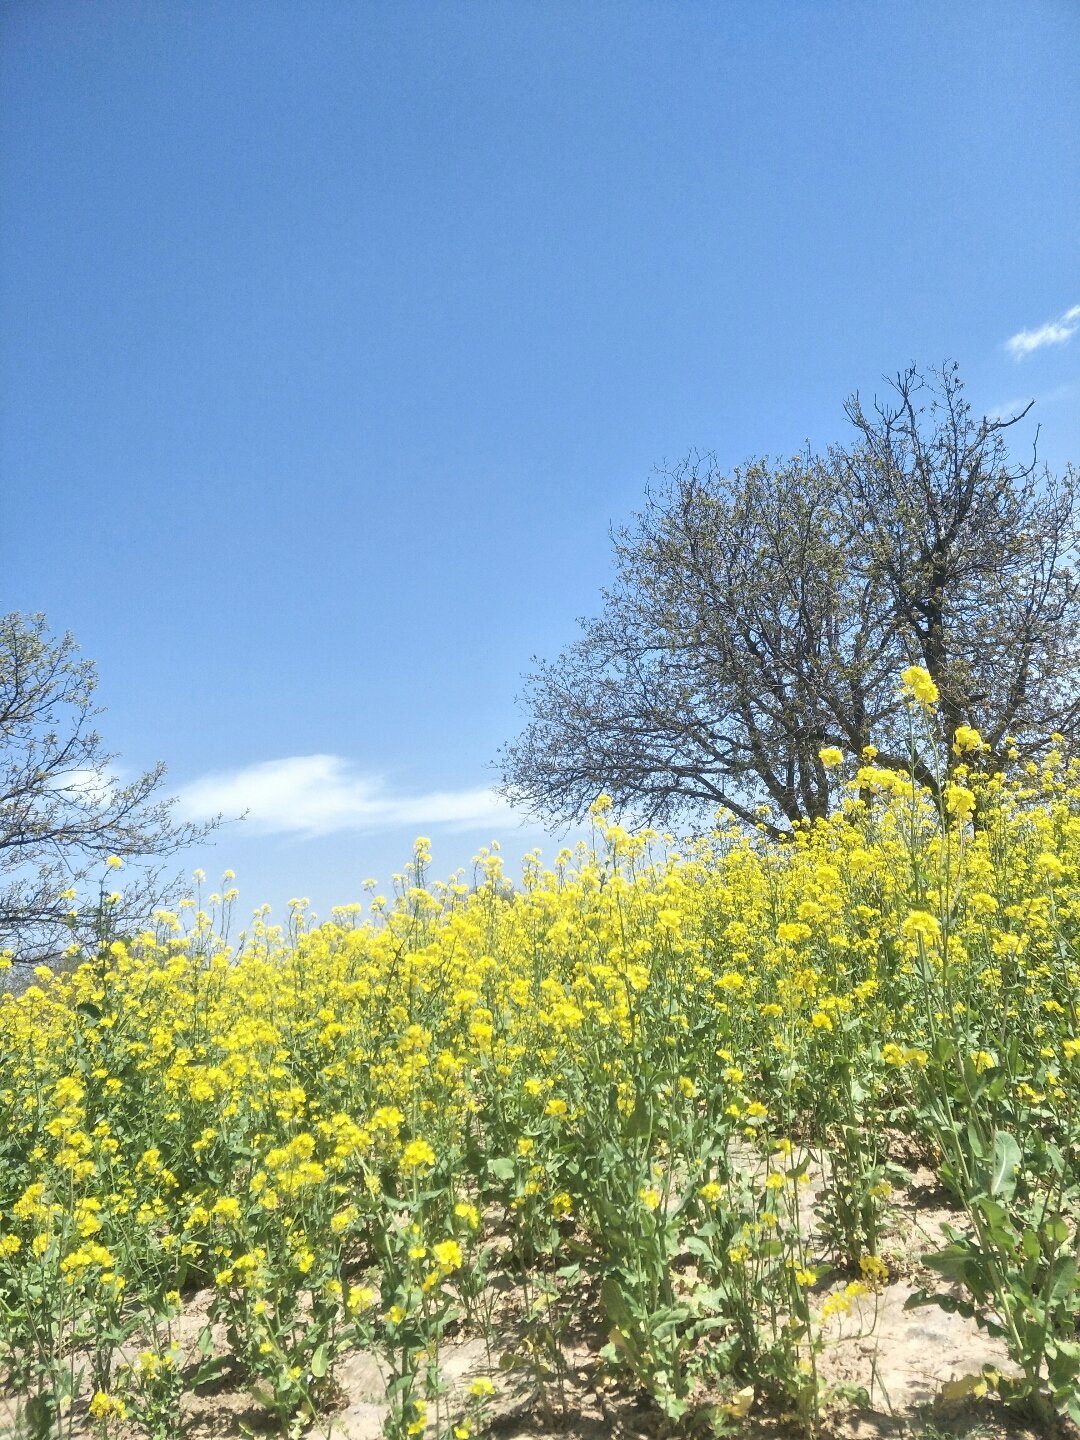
[{"x": 593, "y": 1099}]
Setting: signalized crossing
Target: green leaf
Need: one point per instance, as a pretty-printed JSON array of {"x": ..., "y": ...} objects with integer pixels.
[
  {"x": 502, "y": 1169},
  {"x": 1056, "y": 1230},
  {"x": 39, "y": 1414},
  {"x": 1064, "y": 1279},
  {"x": 1004, "y": 1237},
  {"x": 798, "y": 1171},
  {"x": 976, "y": 1148},
  {"x": 1057, "y": 1160},
  {"x": 1004, "y": 1161},
  {"x": 209, "y": 1371},
  {"x": 951, "y": 1304},
  {"x": 672, "y": 1406},
  {"x": 695, "y": 1245},
  {"x": 954, "y": 1262},
  {"x": 624, "y": 1345},
  {"x": 320, "y": 1362},
  {"x": 992, "y": 1212},
  {"x": 262, "y": 1396},
  {"x": 614, "y": 1302},
  {"x": 640, "y": 1123}
]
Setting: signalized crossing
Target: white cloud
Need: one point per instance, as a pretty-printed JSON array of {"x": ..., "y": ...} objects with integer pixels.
[
  {"x": 1054, "y": 332},
  {"x": 1008, "y": 410},
  {"x": 319, "y": 794},
  {"x": 1048, "y": 397},
  {"x": 84, "y": 786}
]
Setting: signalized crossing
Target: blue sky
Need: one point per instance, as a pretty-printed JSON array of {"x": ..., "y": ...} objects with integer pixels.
[{"x": 336, "y": 336}]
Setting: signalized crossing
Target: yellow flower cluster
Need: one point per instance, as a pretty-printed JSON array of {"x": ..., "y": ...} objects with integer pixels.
[{"x": 271, "y": 1114}]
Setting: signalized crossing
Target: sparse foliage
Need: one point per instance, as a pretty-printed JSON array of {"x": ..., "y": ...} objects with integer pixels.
[
  {"x": 63, "y": 813},
  {"x": 976, "y": 555},
  {"x": 758, "y": 617}
]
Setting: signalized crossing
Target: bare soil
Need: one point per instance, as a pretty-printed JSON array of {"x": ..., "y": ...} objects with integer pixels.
[{"x": 892, "y": 1374}]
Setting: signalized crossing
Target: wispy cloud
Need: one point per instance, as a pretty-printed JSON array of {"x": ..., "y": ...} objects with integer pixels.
[
  {"x": 85, "y": 786},
  {"x": 1008, "y": 409},
  {"x": 319, "y": 794},
  {"x": 1054, "y": 332},
  {"x": 1048, "y": 397}
]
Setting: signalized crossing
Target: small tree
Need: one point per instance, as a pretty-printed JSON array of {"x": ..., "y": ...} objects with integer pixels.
[
  {"x": 759, "y": 617},
  {"x": 62, "y": 812}
]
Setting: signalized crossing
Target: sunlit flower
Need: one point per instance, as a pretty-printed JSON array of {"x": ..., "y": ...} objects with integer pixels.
[{"x": 918, "y": 686}]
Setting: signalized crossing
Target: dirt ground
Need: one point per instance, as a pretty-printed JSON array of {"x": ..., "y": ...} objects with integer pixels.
[{"x": 916, "y": 1369}]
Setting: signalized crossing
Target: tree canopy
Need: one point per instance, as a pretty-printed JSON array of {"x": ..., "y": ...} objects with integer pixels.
[
  {"x": 63, "y": 813},
  {"x": 760, "y": 616}
]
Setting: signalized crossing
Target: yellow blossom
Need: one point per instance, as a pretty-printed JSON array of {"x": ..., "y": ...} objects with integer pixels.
[
  {"x": 918, "y": 686},
  {"x": 966, "y": 739},
  {"x": 417, "y": 1155},
  {"x": 448, "y": 1256}
]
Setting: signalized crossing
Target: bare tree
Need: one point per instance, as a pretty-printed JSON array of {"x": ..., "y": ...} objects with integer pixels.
[
  {"x": 734, "y": 644},
  {"x": 62, "y": 811},
  {"x": 757, "y": 617},
  {"x": 976, "y": 553}
]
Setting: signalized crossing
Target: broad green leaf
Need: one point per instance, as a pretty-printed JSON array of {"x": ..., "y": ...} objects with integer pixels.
[
  {"x": 614, "y": 1302},
  {"x": 640, "y": 1123},
  {"x": 695, "y": 1245},
  {"x": 1004, "y": 1161},
  {"x": 954, "y": 1262},
  {"x": 1064, "y": 1272}
]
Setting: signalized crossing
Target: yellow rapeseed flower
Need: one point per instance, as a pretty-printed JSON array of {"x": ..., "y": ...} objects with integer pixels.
[
  {"x": 919, "y": 686},
  {"x": 417, "y": 1155}
]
